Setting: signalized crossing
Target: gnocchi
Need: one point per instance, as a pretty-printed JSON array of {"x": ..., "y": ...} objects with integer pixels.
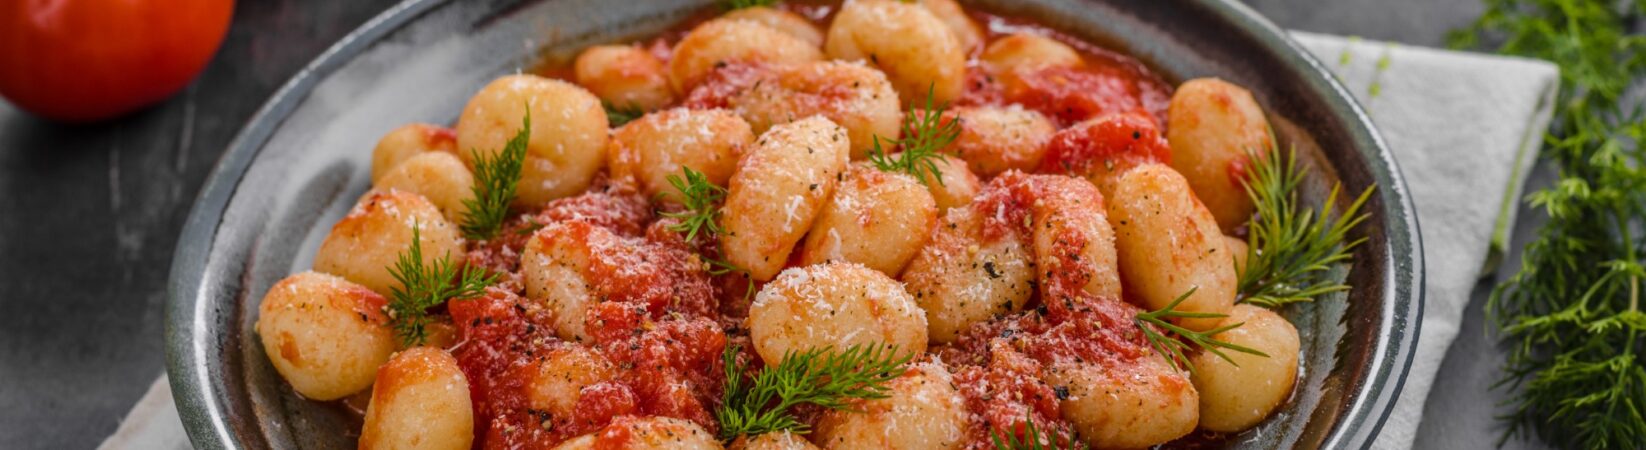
[
  {"x": 407, "y": 141},
  {"x": 624, "y": 76},
  {"x": 656, "y": 146},
  {"x": 649, "y": 433},
  {"x": 953, "y": 184},
  {"x": 852, "y": 96},
  {"x": 1170, "y": 246},
  {"x": 964, "y": 29},
  {"x": 1129, "y": 405},
  {"x": 922, "y": 411},
  {"x": 439, "y": 177},
  {"x": 1236, "y": 395},
  {"x": 836, "y": 305},
  {"x": 366, "y": 243},
  {"x": 781, "y": 440},
  {"x": 724, "y": 41},
  {"x": 917, "y": 51},
  {"x": 566, "y": 145},
  {"x": 875, "y": 218},
  {"x": 777, "y": 192},
  {"x": 960, "y": 280},
  {"x": 780, "y": 20},
  {"x": 420, "y": 400},
  {"x": 325, "y": 335},
  {"x": 993, "y": 140},
  {"x": 1213, "y": 126}
]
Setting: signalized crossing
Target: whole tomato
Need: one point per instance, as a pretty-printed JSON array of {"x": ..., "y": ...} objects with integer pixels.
[{"x": 84, "y": 60}]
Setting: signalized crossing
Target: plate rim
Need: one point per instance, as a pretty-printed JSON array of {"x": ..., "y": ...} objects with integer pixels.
[{"x": 203, "y": 417}]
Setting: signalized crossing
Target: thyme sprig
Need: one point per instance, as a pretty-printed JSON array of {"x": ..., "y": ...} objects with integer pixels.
[
  {"x": 817, "y": 376},
  {"x": 925, "y": 135},
  {"x": 1034, "y": 439},
  {"x": 496, "y": 179},
  {"x": 426, "y": 286},
  {"x": 1571, "y": 315},
  {"x": 1292, "y": 248},
  {"x": 1174, "y": 349}
]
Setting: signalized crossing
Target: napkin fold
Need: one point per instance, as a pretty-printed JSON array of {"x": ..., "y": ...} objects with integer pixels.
[{"x": 1464, "y": 127}]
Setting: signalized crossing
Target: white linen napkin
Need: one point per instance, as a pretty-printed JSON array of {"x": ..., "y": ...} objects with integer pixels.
[{"x": 1465, "y": 127}]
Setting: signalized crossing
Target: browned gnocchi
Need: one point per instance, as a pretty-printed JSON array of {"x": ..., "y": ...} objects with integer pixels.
[
  {"x": 420, "y": 400},
  {"x": 1213, "y": 126},
  {"x": 624, "y": 76},
  {"x": 566, "y": 146},
  {"x": 726, "y": 41},
  {"x": 365, "y": 244},
  {"x": 656, "y": 146},
  {"x": 325, "y": 335},
  {"x": 837, "y": 305},
  {"x": 875, "y": 218},
  {"x": 1169, "y": 245},
  {"x": 917, "y": 50},
  {"x": 777, "y": 192}
]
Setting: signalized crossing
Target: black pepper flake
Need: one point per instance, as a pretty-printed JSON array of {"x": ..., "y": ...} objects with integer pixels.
[
  {"x": 1062, "y": 392},
  {"x": 988, "y": 266}
]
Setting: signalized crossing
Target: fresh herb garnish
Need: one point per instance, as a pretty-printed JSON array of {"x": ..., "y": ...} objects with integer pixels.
[
  {"x": 740, "y": 4},
  {"x": 1572, "y": 314},
  {"x": 1175, "y": 350},
  {"x": 1032, "y": 440},
  {"x": 1292, "y": 248},
  {"x": 496, "y": 177},
  {"x": 423, "y": 287},
  {"x": 817, "y": 376},
  {"x": 702, "y": 201},
  {"x": 619, "y": 115},
  {"x": 925, "y": 135}
]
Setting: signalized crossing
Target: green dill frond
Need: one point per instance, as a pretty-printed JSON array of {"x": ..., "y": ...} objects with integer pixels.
[
  {"x": 818, "y": 376},
  {"x": 1292, "y": 249},
  {"x": 425, "y": 286},
  {"x": 732, "y": 5},
  {"x": 702, "y": 201},
  {"x": 1571, "y": 315},
  {"x": 925, "y": 135},
  {"x": 1034, "y": 439},
  {"x": 617, "y": 116},
  {"x": 1174, "y": 349},
  {"x": 496, "y": 178}
]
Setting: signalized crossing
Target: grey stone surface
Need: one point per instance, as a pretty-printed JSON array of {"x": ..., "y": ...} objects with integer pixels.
[{"x": 89, "y": 216}]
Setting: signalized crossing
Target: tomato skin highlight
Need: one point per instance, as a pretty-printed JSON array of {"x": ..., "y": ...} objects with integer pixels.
[{"x": 87, "y": 60}]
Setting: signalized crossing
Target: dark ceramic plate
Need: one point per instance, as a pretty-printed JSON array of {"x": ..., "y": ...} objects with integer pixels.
[{"x": 303, "y": 160}]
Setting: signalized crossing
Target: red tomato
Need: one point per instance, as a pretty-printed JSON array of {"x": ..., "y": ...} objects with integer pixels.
[{"x": 83, "y": 60}]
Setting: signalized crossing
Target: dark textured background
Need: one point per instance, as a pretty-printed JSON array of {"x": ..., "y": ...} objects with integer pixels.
[{"x": 89, "y": 216}]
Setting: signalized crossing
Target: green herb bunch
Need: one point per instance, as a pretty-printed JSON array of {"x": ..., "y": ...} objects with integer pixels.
[
  {"x": 1572, "y": 313},
  {"x": 496, "y": 179},
  {"x": 1034, "y": 439},
  {"x": 925, "y": 135},
  {"x": 426, "y": 286},
  {"x": 1293, "y": 249},
  {"x": 818, "y": 376},
  {"x": 1174, "y": 349}
]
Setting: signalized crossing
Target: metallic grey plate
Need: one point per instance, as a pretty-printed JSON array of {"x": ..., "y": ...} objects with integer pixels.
[{"x": 303, "y": 159}]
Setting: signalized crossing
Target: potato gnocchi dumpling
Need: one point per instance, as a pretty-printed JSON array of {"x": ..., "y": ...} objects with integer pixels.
[
  {"x": 625, "y": 76},
  {"x": 325, "y": 335},
  {"x": 922, "y": 411},
  {"x": 781, "y": 440},
  {"x": 367, "y": 242},
  {"x": 1169, "y": 245},
  {"x": 407, "y": 141},
  {"x": 959, "y": 279},
  {"x": 877, "y": 219},
  {"x": 964, "y": 29},
  {"x": 553, "y": 264},
  {"x": 836, "y": 305},
  {"x": 778, "y": 190},
  {"x": 780, "y": 20},
  {"x": 995, "y": 139},
  {"x": 1237, "y": 395},
  {"x": 437, "y": 176},
  {"x": 916, "y": 50},
  {"x": 555, "y": 381},
  {"x": 656, "y": 146},
  {"x": 1135, "y": 405},
  {"x": 852, "y": 96},
  {"x": 645, "y": 433},
  {"x": 724, "y": 41},
  {"x": 1028, "y": 51},
  {"x": 1213, "y": 125},
  {"x": 420, "y": 400},
  {"x": 953, "y": 184},
  {"x": 567, "y": 142}
]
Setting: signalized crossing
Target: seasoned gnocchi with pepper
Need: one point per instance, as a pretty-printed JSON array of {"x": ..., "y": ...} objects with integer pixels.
[{"x": 858, "y": 224}]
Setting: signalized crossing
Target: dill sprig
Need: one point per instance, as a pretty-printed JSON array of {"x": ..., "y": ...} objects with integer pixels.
[
  {"x": 1033, "y": 439},
  {"x": 426, "y": 286},
  {"x": 496, "y": 178},
  {"x": 925, "y": 136},
  {"x": 818, "y": 376},
  {"x": 1292, "y": 248},
  {"x": 1571, "y": 316},
  {"x": 702, "y": 201},
  {"x": 617, "y": 116},
  {"x": 1174, "y": 349},
  {"x": 740, "y": 4}
]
